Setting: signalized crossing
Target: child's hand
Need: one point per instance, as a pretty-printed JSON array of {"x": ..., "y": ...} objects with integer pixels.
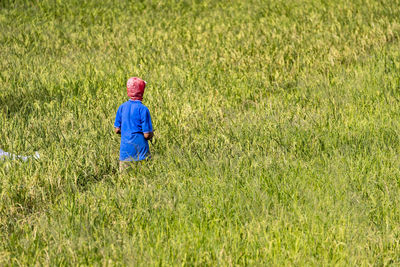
[
  {"x": 117, "y": 130},
  {"x": 148, "y": 135}
]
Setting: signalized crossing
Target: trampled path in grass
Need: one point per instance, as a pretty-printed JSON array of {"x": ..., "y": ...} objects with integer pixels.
[{"x": 277, "y": 133}]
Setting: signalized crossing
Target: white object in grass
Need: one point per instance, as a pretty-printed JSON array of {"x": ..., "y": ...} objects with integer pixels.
[{"x": 4, "y": 154}]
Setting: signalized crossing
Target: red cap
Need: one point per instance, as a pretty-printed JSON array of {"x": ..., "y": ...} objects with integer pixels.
[{"x": 135, "y": 88}]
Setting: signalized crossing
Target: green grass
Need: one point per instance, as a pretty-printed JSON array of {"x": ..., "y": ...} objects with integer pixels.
[{"x": 277, "y": 133}]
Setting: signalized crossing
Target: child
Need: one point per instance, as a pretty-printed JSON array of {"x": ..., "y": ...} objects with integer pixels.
[{"x": 133, "y": 123}]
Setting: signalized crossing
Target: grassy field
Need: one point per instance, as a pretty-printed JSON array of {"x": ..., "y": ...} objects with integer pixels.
[{"x": 277, "y": 132}]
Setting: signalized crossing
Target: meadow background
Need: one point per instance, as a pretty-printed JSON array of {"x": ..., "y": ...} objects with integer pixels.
[{"x": 277, "y": 132}]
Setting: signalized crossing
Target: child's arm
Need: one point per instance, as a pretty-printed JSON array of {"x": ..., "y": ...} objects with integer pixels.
[
  {"x": 147, "y": 126},
  {"x": 118, "y": 121}
]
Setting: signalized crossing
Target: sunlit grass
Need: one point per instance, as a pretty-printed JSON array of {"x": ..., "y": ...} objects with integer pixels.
[{"x": 276, "y": 133}]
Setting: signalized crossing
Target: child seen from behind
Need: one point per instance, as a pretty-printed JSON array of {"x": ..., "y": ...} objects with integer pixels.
[{"x": 133, "y": 123}]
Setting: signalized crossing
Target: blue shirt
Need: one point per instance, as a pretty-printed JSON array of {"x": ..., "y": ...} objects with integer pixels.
[{"x": 133, "y": 118}]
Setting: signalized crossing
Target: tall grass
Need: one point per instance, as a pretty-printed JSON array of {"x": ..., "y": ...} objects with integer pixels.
[{"x": 277, "y": 132}]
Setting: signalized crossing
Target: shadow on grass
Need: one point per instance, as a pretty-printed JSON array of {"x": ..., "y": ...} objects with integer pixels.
[
  {"x": 20, "y": 101},
  {"x": 86, "y": 178}
]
